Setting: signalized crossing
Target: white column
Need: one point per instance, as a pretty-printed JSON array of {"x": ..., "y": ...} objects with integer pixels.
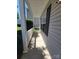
[{"x": 23, "y": 26}]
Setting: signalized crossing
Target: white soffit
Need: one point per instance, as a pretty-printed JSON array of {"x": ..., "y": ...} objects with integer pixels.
[{"x": 37, "y": 6}]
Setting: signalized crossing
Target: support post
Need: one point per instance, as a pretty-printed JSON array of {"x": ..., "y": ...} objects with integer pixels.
[{"x": 23, "y": 25}]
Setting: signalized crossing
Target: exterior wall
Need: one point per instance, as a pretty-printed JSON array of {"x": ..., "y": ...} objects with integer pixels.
[
  {"x": 36, "y": 21},
  {"x": 53, "y": 40},
  {"x": 43, "y": 20}
]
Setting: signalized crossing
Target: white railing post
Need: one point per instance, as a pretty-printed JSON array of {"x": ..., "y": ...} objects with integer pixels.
[{"x": 23, "y": 25}]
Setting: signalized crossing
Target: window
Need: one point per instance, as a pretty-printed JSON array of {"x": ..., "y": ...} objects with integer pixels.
[{"x": 47, "y": 19}]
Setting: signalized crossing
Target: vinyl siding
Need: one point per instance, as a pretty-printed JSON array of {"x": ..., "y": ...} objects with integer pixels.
[
  {"x": 53, "y": 40},
  {"x": 36, "y": 21}
]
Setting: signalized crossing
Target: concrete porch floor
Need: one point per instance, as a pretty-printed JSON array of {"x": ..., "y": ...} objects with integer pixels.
[{"x": 38, "y": 49}]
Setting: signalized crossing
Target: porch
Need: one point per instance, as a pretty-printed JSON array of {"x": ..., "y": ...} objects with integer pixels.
[
  {"x": 46, "y": 16},
  {"x": 37, "y": 48}
]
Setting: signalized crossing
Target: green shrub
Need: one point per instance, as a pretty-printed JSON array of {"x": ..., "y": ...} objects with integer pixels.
[{"x": 29, "y": 24}]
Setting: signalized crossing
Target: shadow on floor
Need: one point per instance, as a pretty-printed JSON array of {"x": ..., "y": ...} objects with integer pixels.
[
  {"x": 35, "y": 53},
  {"x": 33, "y": 41}
]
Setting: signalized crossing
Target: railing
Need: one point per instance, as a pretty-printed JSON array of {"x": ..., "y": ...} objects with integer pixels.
[{"x": 30, "y": 32}]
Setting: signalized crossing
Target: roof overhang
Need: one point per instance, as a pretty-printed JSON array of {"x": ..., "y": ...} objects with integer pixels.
[{"x": 37, "y": 6}]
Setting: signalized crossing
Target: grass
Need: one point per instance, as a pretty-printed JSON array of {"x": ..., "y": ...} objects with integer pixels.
[
  {"x": 18, "y": 28},
  {"x": 35, "y": 29}
]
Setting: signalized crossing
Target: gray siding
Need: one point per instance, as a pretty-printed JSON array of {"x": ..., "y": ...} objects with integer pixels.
[
  {"x": 43, "y": 18},
  {"x": 53, "y": 41},
  {"x": 36, "y": 21}
]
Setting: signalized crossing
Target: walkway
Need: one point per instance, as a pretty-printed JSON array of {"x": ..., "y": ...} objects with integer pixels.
[{"x": 37, "y": 49}]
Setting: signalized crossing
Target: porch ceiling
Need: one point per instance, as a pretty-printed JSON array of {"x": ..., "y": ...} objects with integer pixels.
[{"x": 37, "y": 6}]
